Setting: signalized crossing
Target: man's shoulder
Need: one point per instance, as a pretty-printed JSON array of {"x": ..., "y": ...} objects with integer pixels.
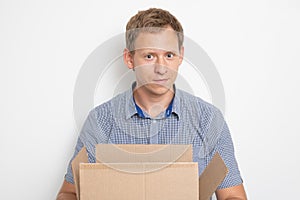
[
  {"x": 107, "y": 106},
  {"x": 188, "y": 99}
]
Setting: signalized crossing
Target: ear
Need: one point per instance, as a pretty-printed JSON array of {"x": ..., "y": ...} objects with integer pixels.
[
  {"x": 128, "y": 58},
  {"x": 181, "y": 55}
]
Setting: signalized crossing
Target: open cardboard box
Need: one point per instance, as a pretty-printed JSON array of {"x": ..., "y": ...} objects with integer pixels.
[{"x": 145, "y": 172}]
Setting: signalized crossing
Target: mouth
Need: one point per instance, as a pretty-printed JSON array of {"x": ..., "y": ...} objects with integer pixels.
[{"x": 160, "y": 81}]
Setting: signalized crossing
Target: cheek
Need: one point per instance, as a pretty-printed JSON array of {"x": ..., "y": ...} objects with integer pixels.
[
  {"x": 136, "y": 63},
  {"x": 173, "y": 67},
  {"x": 144, "y": 70}
]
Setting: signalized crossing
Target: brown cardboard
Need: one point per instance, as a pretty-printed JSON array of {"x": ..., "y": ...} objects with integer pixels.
[
  {"x": 176, "y": 182},
  {"x": 81, "y": 157},
  {"x": 211, "y": 177},
  {"x": 147, "y": 171},
  {"x": 128, "y": 153}
]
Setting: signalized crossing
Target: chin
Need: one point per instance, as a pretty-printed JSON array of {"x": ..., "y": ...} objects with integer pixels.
[{"x": 158, "y": 89}]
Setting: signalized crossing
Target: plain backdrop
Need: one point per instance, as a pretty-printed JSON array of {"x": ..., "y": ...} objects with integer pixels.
[{"x": 254, "y": 45}]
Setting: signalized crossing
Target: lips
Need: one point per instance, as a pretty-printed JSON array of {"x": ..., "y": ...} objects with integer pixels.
[{"x": 160, "y": 81}]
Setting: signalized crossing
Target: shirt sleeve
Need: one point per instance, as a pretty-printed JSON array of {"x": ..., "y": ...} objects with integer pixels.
[
  {"x": 69, "y": 175},
  {"x": 217, "y": 138},
  {"x": 226, "y": 150},
  {"x": 85, "y": 139}
]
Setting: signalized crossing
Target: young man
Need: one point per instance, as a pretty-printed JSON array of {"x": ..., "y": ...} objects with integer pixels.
[{"x": 153, "y": 111}]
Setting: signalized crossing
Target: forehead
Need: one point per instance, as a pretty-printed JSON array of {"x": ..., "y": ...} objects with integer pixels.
[{"x": 165, "y": 39}]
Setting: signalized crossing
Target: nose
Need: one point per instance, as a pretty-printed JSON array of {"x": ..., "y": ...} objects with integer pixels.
[{"x": 160, "y": 66}]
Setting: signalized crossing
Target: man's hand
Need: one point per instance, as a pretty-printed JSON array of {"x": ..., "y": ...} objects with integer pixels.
[
  {"x": 232, "y": 193},
  {"x": 67, "y": 192}
]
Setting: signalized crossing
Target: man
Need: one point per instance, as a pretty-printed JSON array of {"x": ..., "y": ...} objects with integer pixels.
[{"x": 153, "y": 111}]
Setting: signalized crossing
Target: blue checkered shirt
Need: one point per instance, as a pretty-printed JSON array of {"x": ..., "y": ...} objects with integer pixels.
[{"x": 189, "y": 121}]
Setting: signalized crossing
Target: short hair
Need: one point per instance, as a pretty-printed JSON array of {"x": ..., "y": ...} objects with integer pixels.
[{"x": 151, "y": 20}]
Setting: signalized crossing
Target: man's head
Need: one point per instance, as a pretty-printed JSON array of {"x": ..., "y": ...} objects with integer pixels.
[{"x": 154, "y": 50}]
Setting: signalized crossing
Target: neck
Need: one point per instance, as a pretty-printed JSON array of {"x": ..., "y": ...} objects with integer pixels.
[{"x": 152, "y": 103}]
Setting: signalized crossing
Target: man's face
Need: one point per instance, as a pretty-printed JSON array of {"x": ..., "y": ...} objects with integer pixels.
[{"x": 156, "y": 60}]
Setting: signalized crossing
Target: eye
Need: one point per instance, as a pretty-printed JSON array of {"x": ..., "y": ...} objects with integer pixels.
[
  {"x": 149, "y": 56},
  {"x": 170, "y": 55}
]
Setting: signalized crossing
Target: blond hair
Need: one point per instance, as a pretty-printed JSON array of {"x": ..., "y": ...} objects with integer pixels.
[{"x": 151, "y": 20}]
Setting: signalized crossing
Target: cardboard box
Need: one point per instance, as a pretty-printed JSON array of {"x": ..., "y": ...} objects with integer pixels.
[{"x": 145, "y": 172}]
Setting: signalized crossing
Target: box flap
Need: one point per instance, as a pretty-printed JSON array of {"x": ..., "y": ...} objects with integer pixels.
[
  {"x": 81, "y": 157},
  {"x": 177, "y": 181},
  {"x": 211, "y": 177},
  {"x": 132, "y": 153}
]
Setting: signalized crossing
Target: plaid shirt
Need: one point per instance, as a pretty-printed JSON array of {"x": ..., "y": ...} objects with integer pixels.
[{"x": 188, "y": 120}]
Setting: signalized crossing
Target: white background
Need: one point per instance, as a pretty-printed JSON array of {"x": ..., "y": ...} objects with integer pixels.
[{"x": 255, "y": 46}]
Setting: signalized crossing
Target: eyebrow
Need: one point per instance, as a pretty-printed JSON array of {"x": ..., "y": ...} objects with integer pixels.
[{"x": 151, "y": 50}]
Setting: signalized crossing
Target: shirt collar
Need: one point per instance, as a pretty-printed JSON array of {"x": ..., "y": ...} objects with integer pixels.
[{"x": 132, "y": 108}]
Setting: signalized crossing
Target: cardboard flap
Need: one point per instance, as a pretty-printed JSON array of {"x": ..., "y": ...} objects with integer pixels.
[
  {"x": 126, "y": 153},
  {"x": 81, "y": 157},
  {"x": 211, "y": 177}
]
